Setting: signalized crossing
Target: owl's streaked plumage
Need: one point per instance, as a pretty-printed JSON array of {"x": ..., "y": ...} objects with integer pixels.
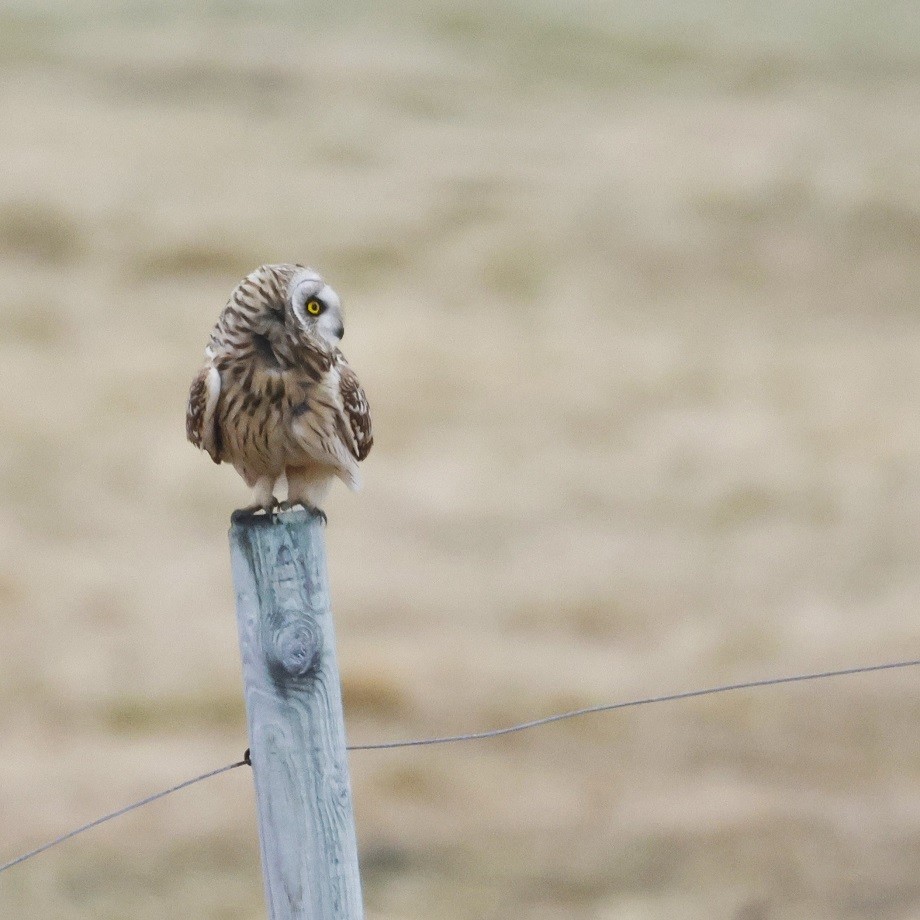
[{"x": 276, "y": 396}]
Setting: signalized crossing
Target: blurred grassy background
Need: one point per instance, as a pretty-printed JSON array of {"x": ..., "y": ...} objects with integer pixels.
[{"x": 633, "y": 291}]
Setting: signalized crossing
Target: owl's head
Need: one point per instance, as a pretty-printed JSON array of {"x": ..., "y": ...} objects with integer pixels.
[{"x": 316, "y": 307}]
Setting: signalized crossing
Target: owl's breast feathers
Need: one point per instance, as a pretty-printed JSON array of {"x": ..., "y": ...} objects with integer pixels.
[{"x": 282, "y": 398}]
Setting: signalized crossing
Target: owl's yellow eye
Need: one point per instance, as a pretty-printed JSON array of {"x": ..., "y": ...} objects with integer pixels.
[{"x": 314, "y": 307}]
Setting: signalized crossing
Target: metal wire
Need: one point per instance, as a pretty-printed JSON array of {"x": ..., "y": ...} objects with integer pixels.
[
  {"x": 609, "y": 707},
  {"x": 480, "y": 736},
  {"x": 119, "y": 813}
]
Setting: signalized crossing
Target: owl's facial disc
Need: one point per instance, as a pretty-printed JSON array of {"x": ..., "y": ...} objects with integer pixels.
[
  {"x": 328, "y": 320},
  {"x": 317, "y": 307}
]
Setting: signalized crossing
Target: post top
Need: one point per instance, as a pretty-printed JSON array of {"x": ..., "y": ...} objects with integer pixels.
[{"x": 294, "y": 517}]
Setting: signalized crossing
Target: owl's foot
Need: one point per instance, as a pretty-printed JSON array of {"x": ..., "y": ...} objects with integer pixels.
[
  {"x": 317, "y": 512},
  {"x": 263, "y": 499},
  {"x": 252, "y": 511}
]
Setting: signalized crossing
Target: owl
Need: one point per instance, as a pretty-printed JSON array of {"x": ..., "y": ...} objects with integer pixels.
[{"x": 276, "y": 397}]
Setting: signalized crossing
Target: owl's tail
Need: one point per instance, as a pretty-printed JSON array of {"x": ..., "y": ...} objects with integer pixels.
[{"x": 350, "y": 476}]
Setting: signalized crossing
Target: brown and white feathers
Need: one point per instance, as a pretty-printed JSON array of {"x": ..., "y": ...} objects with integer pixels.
[{"x": 276, "y": 396}]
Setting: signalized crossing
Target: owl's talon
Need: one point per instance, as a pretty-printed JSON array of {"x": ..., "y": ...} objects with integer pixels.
[
  {"x": 252, "y": 511},
  {"x": 310, "y": 509}
]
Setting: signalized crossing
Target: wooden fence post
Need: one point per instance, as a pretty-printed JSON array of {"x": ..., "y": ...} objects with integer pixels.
[{"x": 294, "y": 711}]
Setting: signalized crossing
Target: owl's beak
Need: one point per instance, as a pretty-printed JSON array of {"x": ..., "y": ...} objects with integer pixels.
[{"x": 340, "y": 333}]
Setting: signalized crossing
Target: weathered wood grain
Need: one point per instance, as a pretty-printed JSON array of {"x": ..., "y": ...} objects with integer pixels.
[{"x": 294, "y": 710}]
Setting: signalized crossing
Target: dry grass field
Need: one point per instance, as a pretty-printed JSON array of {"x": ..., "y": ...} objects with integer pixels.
[{"x": 633, "y": 290}]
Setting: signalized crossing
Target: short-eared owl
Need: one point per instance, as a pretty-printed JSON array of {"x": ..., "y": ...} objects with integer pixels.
[{"x": 275, "y": 395}]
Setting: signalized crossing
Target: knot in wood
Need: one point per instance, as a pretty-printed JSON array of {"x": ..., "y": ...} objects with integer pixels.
[{"x": 295, "y": 653}]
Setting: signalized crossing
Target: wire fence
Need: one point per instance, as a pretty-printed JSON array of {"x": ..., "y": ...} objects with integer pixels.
[{"x": 482, "y": 736}]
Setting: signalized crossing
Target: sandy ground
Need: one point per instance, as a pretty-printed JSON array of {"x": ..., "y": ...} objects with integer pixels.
[{"x": 634, "y": 298}]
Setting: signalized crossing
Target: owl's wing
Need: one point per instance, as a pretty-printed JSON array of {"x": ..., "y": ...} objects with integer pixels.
[
  {"x": 334, "y": 426},
  {"x": 359, "y": 437},
  {"x": 200, "y": 420}
]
